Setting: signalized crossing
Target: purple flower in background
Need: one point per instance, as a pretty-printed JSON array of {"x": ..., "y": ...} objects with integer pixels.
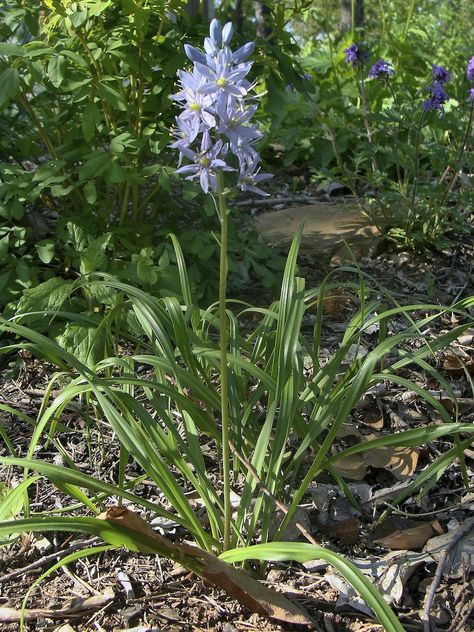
[
  {"x": 381, "y": 70},
  {"x": 470, "y": 96},
  {"x": 470, "y": 69},
  {"x": 437, "y": 99},
  {"x": 215, "y": 109},
  {"x": 440, "y": 74},
  {"x": 355, "y": 55}
]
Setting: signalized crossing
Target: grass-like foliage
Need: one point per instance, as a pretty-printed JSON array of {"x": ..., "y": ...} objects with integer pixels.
[{"x": 285, "y": 411}]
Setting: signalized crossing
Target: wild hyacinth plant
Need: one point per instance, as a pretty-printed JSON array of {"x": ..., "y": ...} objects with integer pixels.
[{"x": 215, "y": 126}]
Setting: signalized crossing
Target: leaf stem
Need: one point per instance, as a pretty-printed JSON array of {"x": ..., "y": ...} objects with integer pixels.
[{"x": 415, "y": 166}]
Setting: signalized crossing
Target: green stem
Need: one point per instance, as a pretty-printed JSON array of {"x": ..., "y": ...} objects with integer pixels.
[
  {"x": 96, "y": 80},
  {"x": 223, "y": 341},
  {"x": 364, "y": 110},
  {"x": 409, "y": 17},
  {"x": 353, "y": 10},
  {"x": 417, "y": 156},
  {"x": 396, "y": 130},
  {"x": 42, "y": 132},
  {"x": 124, "y": 205},
  {"x": 384, "y": 26},
  {"x": 462, "y": 149}
]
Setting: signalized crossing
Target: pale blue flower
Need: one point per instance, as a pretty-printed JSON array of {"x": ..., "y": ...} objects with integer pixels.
[
  {"x": 214, "y": 98},
  {"x": 205, "y": 162},
  {"x": 196, "y": 105},
  {"x": 224, "y": 78},
  {"x": 250, "y": 177}
]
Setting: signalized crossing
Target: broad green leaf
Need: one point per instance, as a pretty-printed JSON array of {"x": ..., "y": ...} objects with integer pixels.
[
  {"x": 4, "y": 246},
  {"x": 17, "y": 209},
  {"x": 113, "y": 97},
  {"x": 45, "y": 250},
  {"x": 78, "y": 18},
  {"x": 90, "y": 120},
  {"x": 58, "y": 190},
  {"x": 95, "y": 165},
  {"x": 90, "y": 192},
  {"x": 87, "y": 343},
  {"x": 56, "y": 70},
  {"x": 9, "y": 85},
  {"x": 115, "y": 173},
  {"x": 93, "y": 256},
  {"x": 48, "y": 296},
  {"x": 9, "y": 49}
]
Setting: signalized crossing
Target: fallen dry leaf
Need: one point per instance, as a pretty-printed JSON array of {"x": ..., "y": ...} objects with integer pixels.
[
  {"x": 238, "y": 584},
  {"x": 458, "y": 365},
  {"x": 400, "y": 461},
  {"x": 467, "y": 338},
  {"x": 352, "y": 467},
  {"x": 401, "y": 533},
  {"x": 373, "y": 416},
  {"x": 292, "y": 532},
  {"x": 346, "y": 531},
  {"x": 252, "y": 594},
  {"x": 389, "y": 574}
]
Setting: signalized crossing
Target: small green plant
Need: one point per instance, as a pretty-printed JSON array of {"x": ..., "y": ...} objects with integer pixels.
[
  {"x": 389, "y": 133},
  {"x": 414, "y": 204}
]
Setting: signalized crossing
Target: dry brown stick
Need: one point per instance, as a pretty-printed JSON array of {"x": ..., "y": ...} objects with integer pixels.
[
  {"x": 46, "y": 559},
  {"x": 268, "y": 493},
  {"x": 78, "y": 608},
  {"x": 425, "y": 615},
  {"x": 282, "y": 200}
]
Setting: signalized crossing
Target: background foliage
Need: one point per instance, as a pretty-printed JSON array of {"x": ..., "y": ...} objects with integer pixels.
[{"x": 86, "y": 177}]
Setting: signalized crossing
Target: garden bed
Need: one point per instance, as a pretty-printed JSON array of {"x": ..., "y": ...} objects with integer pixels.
[{"x": 132, "y": 591}]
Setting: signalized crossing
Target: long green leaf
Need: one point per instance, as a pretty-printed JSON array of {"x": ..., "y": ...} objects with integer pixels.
[{"x": 302, "y": 552}]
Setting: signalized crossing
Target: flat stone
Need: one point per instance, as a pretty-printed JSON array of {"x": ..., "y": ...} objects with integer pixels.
[{"x": 327, "y": 226}]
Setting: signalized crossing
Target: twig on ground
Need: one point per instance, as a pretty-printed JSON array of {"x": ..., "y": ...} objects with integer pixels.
[
  {"x": 425, "y": 615},
  {"x": 274, "y": 201},
  {"x": 464, "y": 606},
  {"x": 77, "y": 608},
  {"x": 461, "y": 291},
  {"x": 46, "y": 559}
]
